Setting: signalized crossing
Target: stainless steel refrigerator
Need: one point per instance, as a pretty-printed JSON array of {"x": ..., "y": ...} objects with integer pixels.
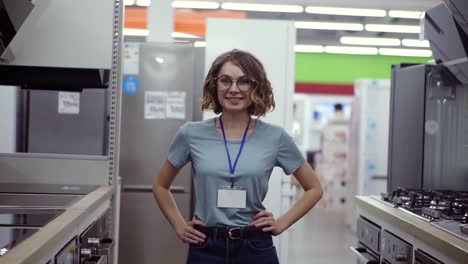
[{"x": 167, "y": 73}]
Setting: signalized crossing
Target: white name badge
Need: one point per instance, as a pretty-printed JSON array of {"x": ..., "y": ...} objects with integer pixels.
[{"x": 232, "y": 198}]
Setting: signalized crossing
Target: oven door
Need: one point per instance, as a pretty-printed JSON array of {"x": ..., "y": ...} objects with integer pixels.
[{"x": 365, "y": 255}]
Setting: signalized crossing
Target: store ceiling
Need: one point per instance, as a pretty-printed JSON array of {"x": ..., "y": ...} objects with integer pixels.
[{"x": 332, "y": 37}]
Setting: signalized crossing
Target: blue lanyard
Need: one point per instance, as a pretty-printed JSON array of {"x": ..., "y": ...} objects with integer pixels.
[{"x": 233, "y": 168}]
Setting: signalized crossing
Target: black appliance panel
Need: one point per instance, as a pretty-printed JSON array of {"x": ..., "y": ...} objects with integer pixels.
[
  {"x": 406, "y": 146},
  {"x": 445, "y": 35},
  {"x": 22, "y": 188},
  {"x": 421, "y": 257},
  {"x": 37, "y": 200},
  {"x": 12, "y": 236},
  {"x": 68, "y": 254},
  {"x": 365, "y": 256},
  {"x": 395, "y": 250},
  {"x": 31, "y": 218},
  {"x": 368, "y": 234}
]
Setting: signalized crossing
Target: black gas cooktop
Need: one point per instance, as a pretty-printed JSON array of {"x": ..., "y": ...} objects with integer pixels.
[{"x": 445, "y": 209}]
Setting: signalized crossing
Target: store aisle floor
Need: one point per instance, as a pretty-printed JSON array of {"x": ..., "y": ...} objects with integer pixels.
[{"x": 321, "y": 237}]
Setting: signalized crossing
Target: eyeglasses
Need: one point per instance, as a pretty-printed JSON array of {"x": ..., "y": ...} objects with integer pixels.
[{"x": 243, "y": 83}]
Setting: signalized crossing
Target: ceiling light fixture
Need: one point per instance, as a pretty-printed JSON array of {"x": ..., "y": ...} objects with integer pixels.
[
  {"x": 415, "y": 43},
  {"x": 351, "y": 50},
  {"x": 135, "y": 32},
  {"x": 195, "y": 4},
  {"x": 309, "y": 48},
  {"x": 199, "y": 44},
  {"x": 405, "y": 52},
  {"x": 405, "y": 14},
  {"x": 370, "y": 41},
  {"x": 263, "y": 7},
  {"x": 346, "y": 11},
  {"x": 143, "y": 2},
  {"x": 329, "y": 26},
  {"x": 184, "y": 35},
  {"x": 393, "y": 28}
]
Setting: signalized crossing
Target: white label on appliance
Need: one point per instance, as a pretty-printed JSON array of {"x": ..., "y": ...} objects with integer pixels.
[
  {"x": 155, "y": 104},
  {"x": 68, "y": 103},
  {"x": 175, "y": 107}
]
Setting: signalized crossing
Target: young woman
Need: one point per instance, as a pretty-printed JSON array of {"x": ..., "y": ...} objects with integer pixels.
[{"x": 232, "y": 158}]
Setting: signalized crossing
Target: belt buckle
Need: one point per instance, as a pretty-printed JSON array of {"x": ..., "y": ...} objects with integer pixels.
[{"x": 231, "y": 235}]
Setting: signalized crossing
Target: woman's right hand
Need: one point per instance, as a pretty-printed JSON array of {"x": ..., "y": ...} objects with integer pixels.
[{"x": 188, "y": 233}]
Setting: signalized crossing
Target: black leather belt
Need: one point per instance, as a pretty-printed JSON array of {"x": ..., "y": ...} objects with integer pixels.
[{"x": 247, "y": 232}]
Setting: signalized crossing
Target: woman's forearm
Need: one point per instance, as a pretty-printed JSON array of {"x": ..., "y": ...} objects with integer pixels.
[
  {"x": 301, "y": 207},
  {"x": 169, "y": 208}
]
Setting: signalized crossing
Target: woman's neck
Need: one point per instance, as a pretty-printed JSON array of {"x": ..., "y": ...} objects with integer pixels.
[{"x": 235, "y": 119}]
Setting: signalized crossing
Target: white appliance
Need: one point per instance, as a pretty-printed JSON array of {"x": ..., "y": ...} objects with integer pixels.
[{"x": 369, "y": 135}]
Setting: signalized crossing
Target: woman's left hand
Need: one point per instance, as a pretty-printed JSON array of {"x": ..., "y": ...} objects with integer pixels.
[{"x": 265, "y": 219}]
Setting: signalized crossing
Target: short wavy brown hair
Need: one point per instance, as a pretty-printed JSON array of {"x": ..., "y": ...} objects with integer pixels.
[{"x": 261, "y": 95}]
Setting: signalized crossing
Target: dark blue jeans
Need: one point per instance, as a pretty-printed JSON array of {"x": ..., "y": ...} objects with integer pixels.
[{"x": 233, "y": 251}]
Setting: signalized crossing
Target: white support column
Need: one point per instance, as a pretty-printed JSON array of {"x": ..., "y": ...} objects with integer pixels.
[{"x": 160, "y": 21}]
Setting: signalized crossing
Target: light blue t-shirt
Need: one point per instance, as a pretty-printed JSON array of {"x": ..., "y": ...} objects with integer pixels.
[{"x": 200, "y": 143}]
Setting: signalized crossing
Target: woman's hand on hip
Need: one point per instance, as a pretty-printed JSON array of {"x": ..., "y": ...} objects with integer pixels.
[
  {"x": 188, "y": 233},
  {"x": 266, "y": 220}
]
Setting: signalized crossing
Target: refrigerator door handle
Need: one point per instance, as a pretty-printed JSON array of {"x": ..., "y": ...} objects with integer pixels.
[
  {"x": 379, "y": 177},
  {"x": 177, "y": 189},
  {"x": 149, "y": 188}
]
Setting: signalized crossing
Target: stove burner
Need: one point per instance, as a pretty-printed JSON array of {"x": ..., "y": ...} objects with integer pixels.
[
  {"x": 433, "y": 205},
  {"x": 445, "y": 209}
]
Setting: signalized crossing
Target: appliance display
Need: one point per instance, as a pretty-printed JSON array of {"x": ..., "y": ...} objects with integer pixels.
[
  {"x": 421, "y": 257},
  {"x": 395, "y": 250},
  {"x": 12, "y": 236},
  {"x": 368, "y": 250},
  {"x": 165, "y": 96},
  {"x": 369, "y": 135},
  {"x": 23, "y": 188},
  {"x": 68, "y": 254},
  {"x": 24, "y": 208},
  {"x": 37, "y": 201},
  {"x": 428, "y": 118},
  {"x": 446, "y": 28},
  {"x": 447, "y": 210},
  {"x": 28, "y": 218},
  {"x": 96, "y": 245}
]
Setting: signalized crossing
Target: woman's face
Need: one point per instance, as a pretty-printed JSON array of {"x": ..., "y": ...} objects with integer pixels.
[{"x": 234, "y": 88}]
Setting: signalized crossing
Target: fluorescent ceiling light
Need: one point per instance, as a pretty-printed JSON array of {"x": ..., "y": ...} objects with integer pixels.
[
  {"x": 143, "y": 2},
  {"x": 129, "y": 2},
  {"x": 199, "y": 44},
  {"x": 351, "y": 50},
  {"x": 405, "y": 14},
  {"x": 135, "y": 32},
  {"x": 415, "y": 43},
  {"x": 346, "y": 11},
  {"x": 370, "y": 41},
  {"x": 309, "y": 48},
  {"x": 263, "y": 7},
  {"x": 183, "y": 35},
  {"x": 195, "y": 4},
  {"x": 393, "y": 28},
  {"x": 329, "y": 26},
  {"x": 405, "y": 52}
]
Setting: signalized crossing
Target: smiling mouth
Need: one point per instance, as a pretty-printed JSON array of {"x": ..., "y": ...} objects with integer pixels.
[{"x": 234, "y": 99}]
